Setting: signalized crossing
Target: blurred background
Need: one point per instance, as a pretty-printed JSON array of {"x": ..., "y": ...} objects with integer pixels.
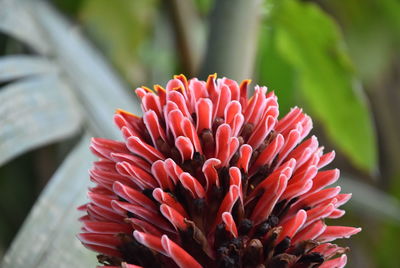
[{"x": 66, "y": 65}]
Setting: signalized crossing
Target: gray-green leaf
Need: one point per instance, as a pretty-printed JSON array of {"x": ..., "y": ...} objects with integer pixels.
[{"x": 309, "y": 40}]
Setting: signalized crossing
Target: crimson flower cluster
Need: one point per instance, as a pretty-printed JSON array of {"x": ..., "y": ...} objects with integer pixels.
[{"x": 211, "y": 178}]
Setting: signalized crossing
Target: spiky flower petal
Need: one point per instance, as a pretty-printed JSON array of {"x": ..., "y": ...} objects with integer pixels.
[{"x": 210, "y": 178}]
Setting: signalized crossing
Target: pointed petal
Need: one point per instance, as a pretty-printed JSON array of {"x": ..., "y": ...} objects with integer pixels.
[
  {"x": 231, "y": 110},
  {"x": 223, "y": 99},
  {"x": 319, "y": 212},
  {"x": 138, "y": 147},
  {"x": 336, "y": 213},
  {"x": 230, "y": 224},
  {"x": 324, "y": 178},
  {"x": 106, "y": 227},
  {"x": 151, "y": 121},
  {"x": 285, "y": 170},
  {"x": 167, "y": 198},
  {"x": 162, "y": 94},
  {"x": 104, "y": 250},
  {"x": 192, "y": 185},
  {"x": 261, "y": 132},
  {"x": 326, "y": 159},
  {"x": 310, "y": 232},
  {"x": 190, "y": 132},
  {"x": 268, "y": 200},
  {"x": 101, "y": 214},
  {"x": 289, "y": 120},
  {"x": 142, "y": 213},
  {"x": 174, "y": 171},
  {"x": 227, "y": 204},
  {"x": 151, "y": 241},
  {"x": 144, "y": 226},
  {"x": 335, "y": 232},
  {"x": 335, "y": 263},
  {"x": 185, "y": 148},
  {"x": 151, "y": 102},
  {"x": 314, "y": 199},
  {"x": 174, "y": 217},
  {"x": 222, "y": 137},
  {"x": 160, "y": 173},
  {"x": 233, "y": 87},
  {"x": 136, "y": 174},
  {"x": 243, "y": 92},
  {"x": 291, "y": 227},
  {"x": 103, "y": 240},
  {"x": 102, "y": 201},
  {"x": 244, "y": 157},
  {"x": 104, "y": 147},
  {"x": 133, "y": 196},
  {"x": 132, "y": 159},
  {"x": 210, "y": 172},
  {"x": 290, "y": 142},
  {"x": 180, "y": 256},
  {"x": 175, "y": 119},
  {"x": 179, "y": 100},
  {"x": 204, "y": 114},
  {"x": 269, "y": 153}
]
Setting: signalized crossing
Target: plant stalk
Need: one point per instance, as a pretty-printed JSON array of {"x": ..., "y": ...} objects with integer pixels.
[{"x": 233, "y": 38}]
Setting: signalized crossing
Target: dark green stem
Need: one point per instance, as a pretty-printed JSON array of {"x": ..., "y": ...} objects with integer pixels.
[{"x": 232, "y": 40}]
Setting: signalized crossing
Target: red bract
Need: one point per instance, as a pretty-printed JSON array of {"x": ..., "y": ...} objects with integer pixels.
[{"x": 211, "y": 178}]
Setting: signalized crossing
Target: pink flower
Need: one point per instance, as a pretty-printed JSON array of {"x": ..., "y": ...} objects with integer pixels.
[{"x": 210, "y": 178}]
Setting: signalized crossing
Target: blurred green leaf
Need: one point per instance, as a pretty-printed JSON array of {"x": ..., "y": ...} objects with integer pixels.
[
  {"x": 309, "y": 40},
  {"x": 390, "y": 233},
  {"x": 204, "y": 6},
  {"x": 371, "y": 28},
  {"x": 274, "y": 71},
  {"x": 69, "y": 7},
  {"x": 120, "y": 29}
]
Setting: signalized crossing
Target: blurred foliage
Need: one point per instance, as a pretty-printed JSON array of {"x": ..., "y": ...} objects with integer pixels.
[
  {"x": 375, "y": 25},
  {"x": 204, "y": 6},
  {"x": 16, "y": 201},
  {"x": 273, "y": 70},
  {"x": 311, "y": 44},
  {"x": 338, "y": 59},
  {"x": 70, "y": 8},
  {"x": 121, "y": 30},
  {"x": 389, "y": 235}
]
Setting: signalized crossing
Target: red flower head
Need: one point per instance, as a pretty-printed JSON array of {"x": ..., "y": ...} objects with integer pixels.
[{"x": 210, "y": 178}]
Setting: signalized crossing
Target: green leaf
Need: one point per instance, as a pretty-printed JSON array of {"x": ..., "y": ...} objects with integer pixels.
[
  {"x": 390, "y": 233},
  {"x": 121, "y": 29},
  {"x": 309, "y": 40},
  {"x": 370, "y": 28},
  {"x": 274, "y": 71},
  {"x": 204, "y": 6}
]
